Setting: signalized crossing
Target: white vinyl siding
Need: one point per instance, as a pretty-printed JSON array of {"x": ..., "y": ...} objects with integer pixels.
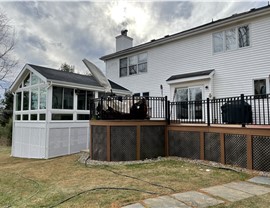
[{"x": 235, "y": 70}]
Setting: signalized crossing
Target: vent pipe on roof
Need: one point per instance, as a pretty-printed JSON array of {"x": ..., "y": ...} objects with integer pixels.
[{"x": 123, "y": 41}]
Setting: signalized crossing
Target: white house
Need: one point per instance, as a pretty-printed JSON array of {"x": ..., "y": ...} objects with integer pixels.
[
  {"x": 222, "y": 58},
  {"x": 51, "y": 111}
]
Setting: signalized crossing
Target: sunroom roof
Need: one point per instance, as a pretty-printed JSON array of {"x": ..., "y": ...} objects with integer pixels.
[{"x": 57, "y": 75}]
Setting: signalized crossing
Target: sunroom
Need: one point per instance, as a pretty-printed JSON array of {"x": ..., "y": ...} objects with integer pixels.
[{"x": 51, "y": 111}]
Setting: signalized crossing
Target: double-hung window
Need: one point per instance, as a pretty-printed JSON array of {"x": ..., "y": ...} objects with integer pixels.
[
  {"x": 231, "y": 39},
  {"x": 133, "y": 65}
]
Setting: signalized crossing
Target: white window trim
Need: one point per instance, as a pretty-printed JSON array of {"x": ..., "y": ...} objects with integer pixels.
[
  {"x": 267, "y": 81},
  {"x": 138, "y": 73},
  {"x": 237, "y": 39}
]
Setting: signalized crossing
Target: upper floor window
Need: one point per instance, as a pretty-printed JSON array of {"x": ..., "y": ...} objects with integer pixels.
[
  {"x": 133, "y": 65},
  {"x": 231, "y": 39}
]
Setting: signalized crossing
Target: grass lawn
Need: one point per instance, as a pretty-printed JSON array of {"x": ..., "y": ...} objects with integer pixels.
[{"x": 45, "y": 183}]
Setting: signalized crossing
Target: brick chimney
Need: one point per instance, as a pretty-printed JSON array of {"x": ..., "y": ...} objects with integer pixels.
[{"x": 123, "y": 41}]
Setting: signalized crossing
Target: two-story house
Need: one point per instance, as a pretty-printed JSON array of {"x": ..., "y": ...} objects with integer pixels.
[{"x": 223, "y": 58}]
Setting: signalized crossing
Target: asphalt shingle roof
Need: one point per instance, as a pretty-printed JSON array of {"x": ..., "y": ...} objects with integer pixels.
[
  {"x": 188, "y": 75},
  {"x": 57, "y": 75}
]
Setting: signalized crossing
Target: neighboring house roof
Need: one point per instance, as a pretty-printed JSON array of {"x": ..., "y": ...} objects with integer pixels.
[
  {"x": 188, "y": 75},
  {"x": 203, "y": 28},
  {"x": 69, "y": 77}
]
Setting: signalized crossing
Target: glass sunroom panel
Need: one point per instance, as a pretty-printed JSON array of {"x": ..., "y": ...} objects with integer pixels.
[
  {"x": 26, "y": 81},
  {"x": 18, "y": 101},
  {"x": 57, "y": 97},
  {"x": 81, "y": 103},
  {"x": 42, "y": 97},
  {"x": 68, "y": 98},
  {"x": 26, "y": 100},
  {"x": 34, "y": 79},
  {"x": 90, "y": 95},
  {"x": 34, "y": 99}
]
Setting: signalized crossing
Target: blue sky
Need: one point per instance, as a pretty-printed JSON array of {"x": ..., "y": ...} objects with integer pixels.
[{"x": 51, "y": 33}]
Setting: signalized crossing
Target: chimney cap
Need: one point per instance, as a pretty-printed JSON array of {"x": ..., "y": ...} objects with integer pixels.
[{"x": 124, "y": 32}]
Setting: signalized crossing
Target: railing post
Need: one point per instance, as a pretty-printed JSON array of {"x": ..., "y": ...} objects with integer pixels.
[
  {"x": 133, "y": 99},
  {"x": 243, "y": 110},
  {"x": 208, "y": 111},
  {"x": 101, "y": 107},
  {"x": 168, "y": 116}
]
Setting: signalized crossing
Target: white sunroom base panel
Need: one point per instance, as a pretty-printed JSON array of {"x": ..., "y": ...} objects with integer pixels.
[
  {"x": 29, "y": 140},
  {"x": 66, "y": 138}
]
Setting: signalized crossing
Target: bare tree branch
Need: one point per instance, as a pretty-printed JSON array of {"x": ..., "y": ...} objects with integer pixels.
[{"x": 7, "y": 44}]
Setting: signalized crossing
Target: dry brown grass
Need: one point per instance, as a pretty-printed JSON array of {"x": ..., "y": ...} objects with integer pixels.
[{"x": 44, "y": 183}]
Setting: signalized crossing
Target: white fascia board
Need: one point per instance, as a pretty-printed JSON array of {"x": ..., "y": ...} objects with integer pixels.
[{"x": 21, "y": 76}]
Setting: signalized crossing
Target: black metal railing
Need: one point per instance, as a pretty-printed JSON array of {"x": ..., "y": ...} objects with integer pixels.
[
  {"x": 252, "y": 109},
  {"x": 128, "y": 107}
]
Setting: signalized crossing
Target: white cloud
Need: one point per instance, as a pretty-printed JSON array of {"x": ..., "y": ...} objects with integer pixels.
[{"x": 51, "y": 33}]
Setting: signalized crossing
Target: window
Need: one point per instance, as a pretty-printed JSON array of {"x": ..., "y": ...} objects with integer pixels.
[
  {"x": 84, "y": 99},
  {"x": 42, "y": 98},
  {"x": 62, "y": 98},
  {"x": 83, "y": 117},
  {"x": 231, "y": 39},
  {"x": 123, "y": 67},
  {"x": 260, "y": 88},
  {"x": 33, "y": 117},
  {"x": 62, "y": 116},
  {"x": 34, "y": 79},
  {"x": 133, "y": 61},
  {"x": 68, "y": 98},
  {"x": 18, "y": 117},
  {"x": 26, "y": 81},
  {"x": 18, "y": 101},
  {"x": 133, "y": 65},
  {"x": 243, "y": 34},
  {"x": 42, "y": 117},
  {"x": 218, "y": 42},
  {"x": 25, "y": 100},
  {"x": 25, "y": 117},
  {"x": 145, "y": 94},
  {"x": 34, "y": 99},
  {"x": 189, "y": 104}
]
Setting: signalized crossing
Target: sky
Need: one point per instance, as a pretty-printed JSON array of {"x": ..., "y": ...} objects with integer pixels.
[{"x": 50, "y": 33}]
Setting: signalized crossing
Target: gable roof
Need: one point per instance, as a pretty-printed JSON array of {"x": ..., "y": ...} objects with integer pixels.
[
  {"x": 196, "y": 30},
  {"x": 193, "y": 74},
  {"x": 55, "y": 75},
  {"x": 58, "y": 75}
]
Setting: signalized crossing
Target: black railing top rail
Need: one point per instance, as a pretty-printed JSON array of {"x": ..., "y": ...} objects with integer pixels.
[
  {"x": 243, "y": 109},
  {"x": 128, "y": 107}
]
